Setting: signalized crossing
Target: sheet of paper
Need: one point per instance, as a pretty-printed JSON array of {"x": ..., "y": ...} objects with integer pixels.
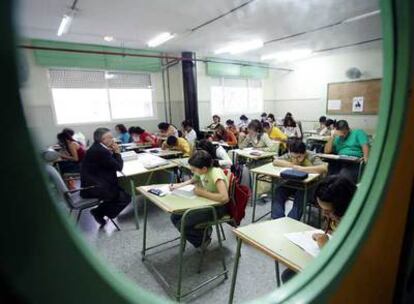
[
  {"x": 305, "y": 241},
  {"x": 151, "y": 161},
  {"x": 334, "y": 104},
  {"x": 186, "y": 191}
]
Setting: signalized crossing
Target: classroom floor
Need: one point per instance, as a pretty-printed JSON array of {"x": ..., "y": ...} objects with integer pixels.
[{"x": 121, "y": 249}]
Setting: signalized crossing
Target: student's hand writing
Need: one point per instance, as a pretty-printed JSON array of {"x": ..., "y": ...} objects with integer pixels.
[
  {"x": 320, "y": 238},
  {"x": 174, "y": 187},
  {"x": 198, "y": 190}
]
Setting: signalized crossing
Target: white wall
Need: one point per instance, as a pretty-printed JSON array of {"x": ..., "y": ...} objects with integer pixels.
[
  {"x": 304, "y": 91},
  {"x": 37, "y": 101}
]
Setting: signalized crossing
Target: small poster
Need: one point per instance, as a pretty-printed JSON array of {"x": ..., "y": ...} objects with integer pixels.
[
  {"x": 358, "y": 104},
  {"x": 334, "y": 104}
]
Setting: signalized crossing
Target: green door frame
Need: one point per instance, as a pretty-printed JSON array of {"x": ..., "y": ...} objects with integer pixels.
[{"x": 45, "y": 260}]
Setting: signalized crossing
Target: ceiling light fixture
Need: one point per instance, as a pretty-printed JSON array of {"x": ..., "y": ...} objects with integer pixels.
[
  {"x": 288, "y": 55},
  {"x": 108, "y": 38},
  {"x": 67, "y": 20},
  {"x": 160, "y": 39},
  {"x": 241, "y": 47},
  {"x": 363, "y": 16}
]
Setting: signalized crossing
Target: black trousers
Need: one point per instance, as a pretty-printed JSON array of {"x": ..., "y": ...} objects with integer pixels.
[
  {"x": 193, "y": 235},
  {"x": 346, "y": 169},
  {"x": 114, "y": 199}
]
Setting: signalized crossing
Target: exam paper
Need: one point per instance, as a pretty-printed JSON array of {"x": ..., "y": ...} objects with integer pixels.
[{"x": 305, "y": 241}]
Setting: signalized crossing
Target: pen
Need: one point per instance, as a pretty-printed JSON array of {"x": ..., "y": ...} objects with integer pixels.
[{"x": 327, "y": 226}]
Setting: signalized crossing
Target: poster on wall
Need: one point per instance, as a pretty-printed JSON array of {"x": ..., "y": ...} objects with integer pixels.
[
  {"x": 358, "y": 104},
  {"x": 334, "y": 104}
]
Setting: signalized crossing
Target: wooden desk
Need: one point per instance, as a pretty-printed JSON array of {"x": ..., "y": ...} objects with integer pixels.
[
  {"x": 164, "y": 153},
  {"x": 134, "y": 146},
  {"x": 172, "y": 203},
  {"x": 263, "y": 173},
  {"x": 182, "y": 162},
  {"x": 268, "y": 238},
  {"x": 345, "y": 158},
  {"x": 318, "y": 138}
]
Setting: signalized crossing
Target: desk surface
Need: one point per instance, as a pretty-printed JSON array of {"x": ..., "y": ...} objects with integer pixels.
[
  {"x": 318, "y": 138},
  {"x": 163, "y": 153},
  {"x": 182, "y": 162},
  {"x": 246, "y": 153},
  {"x": 173, "y": 203},
  {"x": 353, "y": 159},
  {"x": 132, "y": 146},
  {"x": 268, "y": 237},
  {"x": 274, "y": 171},
  {"x": 136, "y": 167}
]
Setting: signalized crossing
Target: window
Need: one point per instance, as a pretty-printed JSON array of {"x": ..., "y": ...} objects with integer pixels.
[
  {"x": 81, "y": 96},
  {"x": 237, "y": 96}
]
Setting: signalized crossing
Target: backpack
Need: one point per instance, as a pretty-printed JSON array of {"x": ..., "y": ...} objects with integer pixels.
[{"x": 239, "y": 197}]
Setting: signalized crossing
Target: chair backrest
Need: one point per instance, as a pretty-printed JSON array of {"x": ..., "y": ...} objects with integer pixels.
[{"x": 57, "y": 179}]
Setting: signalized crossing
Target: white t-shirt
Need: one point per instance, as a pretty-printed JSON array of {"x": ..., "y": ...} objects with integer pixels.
[
  {"x": 223, "y": 157},
  {"x": 191, "y": 137}
]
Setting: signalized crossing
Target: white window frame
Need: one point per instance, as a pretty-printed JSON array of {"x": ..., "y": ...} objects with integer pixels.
[
  {"x": 247, "y": 83},
  {"x": 111, "y": 120}
]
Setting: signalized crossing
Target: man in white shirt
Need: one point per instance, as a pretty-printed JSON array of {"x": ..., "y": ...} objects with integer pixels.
[{"x": 189, "y": 132}]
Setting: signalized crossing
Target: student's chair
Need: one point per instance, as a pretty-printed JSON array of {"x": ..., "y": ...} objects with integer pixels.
[{"x": 72, "y": 197}]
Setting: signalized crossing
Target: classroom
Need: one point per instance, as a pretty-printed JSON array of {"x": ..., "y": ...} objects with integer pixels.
[{"x": 220, "y": 151}]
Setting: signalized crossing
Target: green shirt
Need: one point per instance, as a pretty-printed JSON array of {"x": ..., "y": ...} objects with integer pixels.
[
  {"x": 352, "y": 144},
  {"x": 208, "y": 180},
  {"x": 311, "y": 159}
]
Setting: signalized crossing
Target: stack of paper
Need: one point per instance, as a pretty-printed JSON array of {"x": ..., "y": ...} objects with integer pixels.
[
  {"x": 130, "y": 155},
  {"x": 305, "y": 241},
  {"x": 151, "y": 161},
  {"x": 186, "y": 191}
]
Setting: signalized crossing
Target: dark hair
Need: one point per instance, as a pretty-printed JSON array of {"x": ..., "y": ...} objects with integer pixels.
[
  {"x": 163, "y": 126},
  {"x": 69, "y": 131},
  {"x": 329, "y": 122},
  {"x": 135, "y": 130},
  {"x": 229, "y": 122},
  {"x": 272, "y": 117},
  {"x": 338, "y": 191},
  {"x": 201, "y": 159},
  {"x": 62, "y": 137},
  {"x": 288, "y": 114},
  {"x": 121, "y": 128},
  {"x": 341, "y": 125},
  {"x": 322, "y": 119},
  {"x": 266, "y": 125},
  {"x": 244, "y": 117},
  {"x": 172, "y": 140},
  {"x": 297, "y": 146},
  {"x": 186, "y": 124},
  {"x": 256, "y": 125},
  {"x": 216, "y": 116},
  {"x": 208, "y": 146},
  {"x": 222, "y": 129},
  {"x": 289, "y": 122},
  {"x": 263, "y": 114},
  {"x": 97, "y": 135}
]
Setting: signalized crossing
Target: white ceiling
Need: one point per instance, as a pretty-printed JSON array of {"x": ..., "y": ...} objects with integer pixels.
[{"x": 134, "y": 22}]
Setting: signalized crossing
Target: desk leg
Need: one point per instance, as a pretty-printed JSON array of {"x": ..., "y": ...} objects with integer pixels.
[
  {"x": 254, "y": 194},
  {"x": 277, "y": 271},
  {"x": 144, "y": 238},
  {"x": 235, "y": 269},
  {"x": 180, "y": 256},
  {"x": 134, "y": 203},
  {"x": 305, "y": 199}
]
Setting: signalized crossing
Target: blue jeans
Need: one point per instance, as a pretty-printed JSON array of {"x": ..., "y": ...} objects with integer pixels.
[{"x": 279, "y": 199}]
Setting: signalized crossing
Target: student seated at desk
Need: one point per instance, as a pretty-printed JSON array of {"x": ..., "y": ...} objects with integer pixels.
[
  {"x": 271, "y": 119},
  {"x": 274, "y": 132},
  {"x": 123, "y": 135},
  {"x": 291, "y": 128},
  {"x": 167, "y": 129},
  {"x": 231, "y": 127},
  {"x": 215, "y": 123},
  {"x": 217, "y": 152},
  {"x": 244, "y": 122},
  {"x": 333, "y": 195},
  {"x": 188, "y": 132},
  {"x": 178, "y": 144},
  {"x": 258, "y": 138},
  {"x": 142, "y": 137},
  {"x": 211, "y": 183},
  {"x": 263, "y": 117},
  {"x": 328, "y": 128},
  {"x": 223, "y": 135},
  {"x": 322, "y": 122},
  {"x": 345, "y": 141},
  {"x": 298, "y": 159},
  {"x": 72, "y": 153}
]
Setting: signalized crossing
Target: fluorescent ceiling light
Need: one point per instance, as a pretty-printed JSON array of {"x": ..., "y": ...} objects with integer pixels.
[
  {"x": 288, "y": 55},
  {"x": 65, "y": 24},
  {"x": 109, "y": 75},
  {"x": 160, "y": 39},
  {"x": 363, "y": 16},
  {"x": 109, "y": 38},
  {"x": 241, "y": 47}
]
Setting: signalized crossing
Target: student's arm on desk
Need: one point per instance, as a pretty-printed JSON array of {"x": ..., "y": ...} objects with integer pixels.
[
  {"x": 179, "y": 185},
  {"x": 222, "y": 196},
  {"x": 365, "y": 150},
  {"x": 282, "y": 163},
  {"x": 319, "y": 169},
  {"x": 329, "y": 144}
]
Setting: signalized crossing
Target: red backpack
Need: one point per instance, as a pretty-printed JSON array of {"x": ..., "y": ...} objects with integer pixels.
[{"x": 239, "y": 197}]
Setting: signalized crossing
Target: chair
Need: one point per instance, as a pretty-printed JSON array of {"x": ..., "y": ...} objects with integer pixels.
[{"x": 72, "y": 198}]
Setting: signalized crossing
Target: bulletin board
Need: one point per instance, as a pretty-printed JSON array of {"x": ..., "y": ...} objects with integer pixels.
[{"x": 354, "y": 97}]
